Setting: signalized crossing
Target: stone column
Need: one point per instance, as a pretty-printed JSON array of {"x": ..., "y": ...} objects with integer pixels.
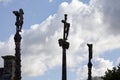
[
  {"x": 65, "y": 45},
  {"x": 17, "y": 39},
  {"x": 89, "y": 62}
]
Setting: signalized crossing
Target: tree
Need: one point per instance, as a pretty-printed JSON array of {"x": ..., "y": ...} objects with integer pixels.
[{"x": 113, "y": 74}]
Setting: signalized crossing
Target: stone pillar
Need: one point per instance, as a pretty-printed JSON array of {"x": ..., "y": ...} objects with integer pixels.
[
  {"x": 17, "y": 39},
  {"x": 65, "y": 45},
  {"x": 89, "y": 62}
]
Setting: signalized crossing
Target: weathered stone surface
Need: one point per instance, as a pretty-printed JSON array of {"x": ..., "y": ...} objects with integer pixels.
[{"x": 8, "y": 71}]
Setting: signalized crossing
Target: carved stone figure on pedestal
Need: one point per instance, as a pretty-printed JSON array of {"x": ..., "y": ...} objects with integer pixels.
[
  {"x": 66, "y": 27},
  {"x": 19, "y": 19},
  {"x": 17, "y": 39},
  {"x": 65, "y": 45}
]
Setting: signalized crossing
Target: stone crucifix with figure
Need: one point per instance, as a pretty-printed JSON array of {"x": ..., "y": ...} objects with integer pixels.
[
  {"x": 66, "y": 27},
  {"x": 65, "y": 45},
  {"x": 17, "y": 39},
  {"x": 19, "y": 19}
]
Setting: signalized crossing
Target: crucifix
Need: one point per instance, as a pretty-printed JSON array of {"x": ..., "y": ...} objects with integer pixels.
[
  {"x": 19, "y": 19},
  {"x": 65, "y": 45},
  {"x": 66, "y": 27},
  {"x": 89, "y": 61},
  {"x": 17, "y": 39}
]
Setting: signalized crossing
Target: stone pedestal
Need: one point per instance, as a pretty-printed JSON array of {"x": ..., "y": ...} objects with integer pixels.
[{"x": 65, "y": 45}]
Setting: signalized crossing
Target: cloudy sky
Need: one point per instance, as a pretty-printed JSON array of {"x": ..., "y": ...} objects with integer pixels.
[{"x": 92, "y": 21}]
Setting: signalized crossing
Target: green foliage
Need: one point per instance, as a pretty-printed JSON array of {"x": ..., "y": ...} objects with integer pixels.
[{"x": 113, "y": 74}]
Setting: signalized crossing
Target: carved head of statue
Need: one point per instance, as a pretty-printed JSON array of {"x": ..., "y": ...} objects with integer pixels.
[{"x": 21, "y": 11}]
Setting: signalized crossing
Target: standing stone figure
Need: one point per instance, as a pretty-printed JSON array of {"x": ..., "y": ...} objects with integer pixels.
[
  {"x": 66, "y": 30},
  {"x": 19, "y": 19},
  {"x": 66, "y": 27},
  {"x": 65, "y": 45},
  {"x": 17, "y": 39}
]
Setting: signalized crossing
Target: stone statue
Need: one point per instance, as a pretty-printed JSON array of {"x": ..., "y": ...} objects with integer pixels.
[
  {"x": 66, "y": 30},
  {"x": 19, "y": 19},
  {"x": 65, "y": 45},
  {"x": 66, "y": 27}
]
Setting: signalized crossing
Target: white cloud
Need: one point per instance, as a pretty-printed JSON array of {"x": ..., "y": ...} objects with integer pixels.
[
  {"x": 89, "y": 24},
  {"x": 99, "y": 67},
  {"x": 118, "y": 61},
  {"x": 6, "y": 48},
  {"x": 38, "y": 66},
  {"x": 110, "y": 10}
]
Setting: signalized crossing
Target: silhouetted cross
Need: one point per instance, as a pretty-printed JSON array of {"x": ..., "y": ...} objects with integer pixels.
[
  {"x": 19, "y": 19},
  {"x": 66, "y": 28}
]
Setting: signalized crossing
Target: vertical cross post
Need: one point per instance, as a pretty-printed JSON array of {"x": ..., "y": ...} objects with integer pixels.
[
  {"x": 65, "y": 45},
  {"x": 89, "y": 62},
  {"x": 17, "y": 39}
]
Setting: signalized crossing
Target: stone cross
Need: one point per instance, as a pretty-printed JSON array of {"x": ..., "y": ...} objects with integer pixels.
[
  {"x": 65, "y": 45},
  {"x": 66, "y": 27},
  {"x": 19, "y": 19}
]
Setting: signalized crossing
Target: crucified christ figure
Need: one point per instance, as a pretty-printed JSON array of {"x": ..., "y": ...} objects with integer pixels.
[{"x": 19, "y": 19}]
